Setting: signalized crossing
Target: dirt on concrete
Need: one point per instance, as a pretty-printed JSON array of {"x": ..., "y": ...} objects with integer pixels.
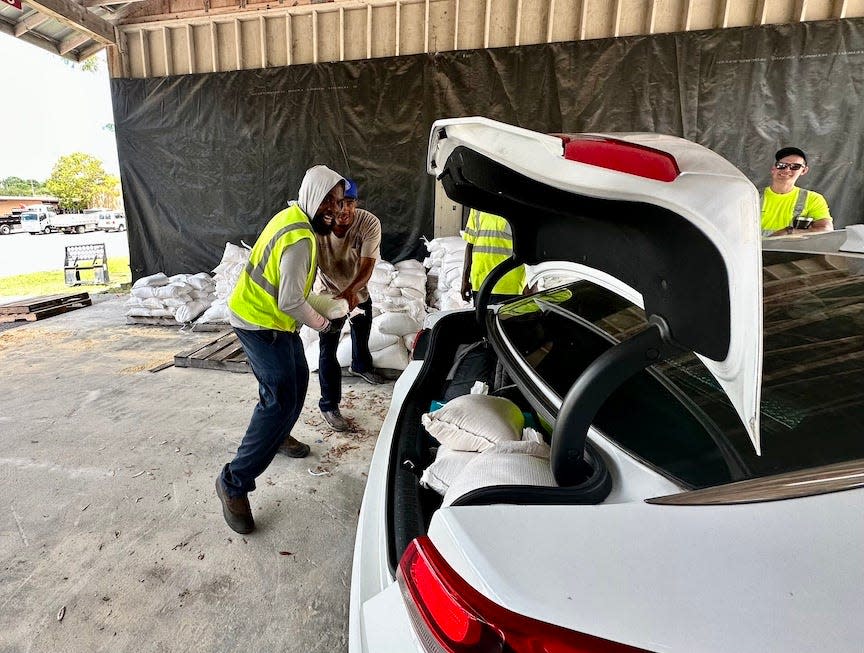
[{"x": 112, "y": 537}]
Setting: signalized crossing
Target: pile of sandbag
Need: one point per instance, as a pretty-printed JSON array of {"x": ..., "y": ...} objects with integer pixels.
[
  {"x": 484, "y": 442},
  {"x": 225, "y": 275},
  {"x": 398, "y": 294},
  {"x": 182, "y": 297},
  {"x": 446, "y": 262}
]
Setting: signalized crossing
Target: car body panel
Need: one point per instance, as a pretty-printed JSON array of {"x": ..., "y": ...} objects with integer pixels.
[
  {"x": 710, "y": 193},
  {"x": 605, "y": 569}
]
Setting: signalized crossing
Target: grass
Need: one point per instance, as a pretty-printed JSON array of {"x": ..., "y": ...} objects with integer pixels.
[{"x": 53, "y": 283}]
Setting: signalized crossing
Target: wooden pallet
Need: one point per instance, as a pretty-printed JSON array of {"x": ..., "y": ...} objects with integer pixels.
[
  {"x": 224, "y": 353},
  {"x": 37, "y": 308},
  {"x": 165, "y": 321}
]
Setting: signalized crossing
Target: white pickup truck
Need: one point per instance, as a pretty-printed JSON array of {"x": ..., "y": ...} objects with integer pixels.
[{"x": 37, "y": 219}]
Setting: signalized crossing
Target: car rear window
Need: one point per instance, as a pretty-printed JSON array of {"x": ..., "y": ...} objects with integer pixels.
[{"x": 675, "y": 417}]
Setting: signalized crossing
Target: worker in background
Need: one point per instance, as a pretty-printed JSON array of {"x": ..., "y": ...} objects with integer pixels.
[
  {"x": 489, "y": 243},
  {"x": 346, "y": 258},
  {"x": 787, "y": 209},
  {"x": 267, "y": 307}
]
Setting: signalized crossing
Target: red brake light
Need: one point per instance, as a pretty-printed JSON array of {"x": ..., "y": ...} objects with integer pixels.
[
  {"x": 622, "y": 156},
  {"x": 450, "y": 616}
]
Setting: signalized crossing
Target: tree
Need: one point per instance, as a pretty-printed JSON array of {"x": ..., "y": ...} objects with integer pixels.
[
  {"x": 18, "y": 186},
  {"x": 80, "y": 182}
]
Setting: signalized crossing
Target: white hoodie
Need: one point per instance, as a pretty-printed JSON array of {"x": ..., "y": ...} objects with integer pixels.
[{"x": 296, "y": 258}]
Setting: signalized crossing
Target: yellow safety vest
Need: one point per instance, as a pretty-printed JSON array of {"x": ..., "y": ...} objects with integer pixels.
[
  {"x": 492, "y": 240},
  {"x": 255, "y": 298}
]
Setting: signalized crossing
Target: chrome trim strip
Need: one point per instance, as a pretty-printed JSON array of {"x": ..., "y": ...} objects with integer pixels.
[{"x": 791, "y": 485}]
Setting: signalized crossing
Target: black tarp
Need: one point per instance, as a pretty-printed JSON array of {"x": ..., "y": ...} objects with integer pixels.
[{"x": 208, "y": 158}]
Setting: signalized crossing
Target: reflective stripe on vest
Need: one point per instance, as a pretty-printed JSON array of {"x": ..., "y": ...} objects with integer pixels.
[
  {"x": 255, "y": 298},
  {"x": 493, "y": 243}
]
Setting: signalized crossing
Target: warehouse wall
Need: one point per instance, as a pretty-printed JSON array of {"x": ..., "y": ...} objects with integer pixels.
[
  {"x": 209, "y": 158},
  {"x": 177, "y": 37}
]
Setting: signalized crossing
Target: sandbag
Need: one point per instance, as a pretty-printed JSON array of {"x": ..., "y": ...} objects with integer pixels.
[
  {"x": 154, "y": 280},
  {"x": 394, "y": 357},
  {"x": 218, "y": 313},
  {"x": 189, "y": 312},
  {"x": 493, "y": 467},
  {"x": 343, "y": 351},
  {"x": 327, "y": 305},
  {"x": 475, "y": 422},
  {"x": 378, "y": 340},
  {"x": 397, "y": 324},
  {"x": 440, "y": 475}
]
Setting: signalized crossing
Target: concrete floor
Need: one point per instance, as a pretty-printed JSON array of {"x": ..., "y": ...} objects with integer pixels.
[{"x": 111, "y": 536}]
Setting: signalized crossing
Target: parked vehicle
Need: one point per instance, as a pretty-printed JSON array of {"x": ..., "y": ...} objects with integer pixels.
[
  {"x": 111, "y": 221},
  {"x": 74, "y": 222},
  {"x": 37, "y": 220},
  {"x": 9, "y": 223},
  {"x": 692, "y": 500}
]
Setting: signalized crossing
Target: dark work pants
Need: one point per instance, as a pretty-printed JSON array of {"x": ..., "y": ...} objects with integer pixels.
[
  {"x": 279, "y": 364},
  {"x": 329, "y": 371}
]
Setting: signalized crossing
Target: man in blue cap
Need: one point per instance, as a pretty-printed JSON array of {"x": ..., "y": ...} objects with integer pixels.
[{"x": 346, "y": 259}]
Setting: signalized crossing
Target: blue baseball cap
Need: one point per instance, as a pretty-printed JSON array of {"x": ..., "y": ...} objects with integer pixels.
[{"x": 350, "y": 189}]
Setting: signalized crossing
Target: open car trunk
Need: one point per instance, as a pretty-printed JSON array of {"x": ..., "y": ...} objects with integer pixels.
[{"x": 410, "y": 505}]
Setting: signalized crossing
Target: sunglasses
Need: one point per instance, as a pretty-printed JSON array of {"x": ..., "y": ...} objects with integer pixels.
[{"x": 780, "y": 165}]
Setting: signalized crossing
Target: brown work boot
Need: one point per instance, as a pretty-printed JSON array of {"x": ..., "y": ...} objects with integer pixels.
[
  {"x": 293, "y": 448},
  {"x": 335, "y": 420},
  {"x": 236, "y": 510}
]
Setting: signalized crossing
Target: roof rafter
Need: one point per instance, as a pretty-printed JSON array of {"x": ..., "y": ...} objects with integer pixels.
[{"x": 78, "y": 17}]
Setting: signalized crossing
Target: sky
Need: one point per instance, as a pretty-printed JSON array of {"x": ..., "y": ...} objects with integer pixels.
[{"x": 51, "y": 109}]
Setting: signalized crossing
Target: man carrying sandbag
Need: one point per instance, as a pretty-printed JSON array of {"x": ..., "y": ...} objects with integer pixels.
[
  {"x": 268, "y": 305},
  {"x": 346, "y": 260}
]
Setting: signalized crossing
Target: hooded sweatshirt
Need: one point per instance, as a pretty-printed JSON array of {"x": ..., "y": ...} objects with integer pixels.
[{"x": 296, "y": 258}]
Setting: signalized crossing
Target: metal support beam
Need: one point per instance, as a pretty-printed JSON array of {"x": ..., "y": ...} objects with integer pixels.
[{"x": 77, "y": 17}]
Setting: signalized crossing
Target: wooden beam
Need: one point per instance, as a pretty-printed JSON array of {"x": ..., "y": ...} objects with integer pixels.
[
  {"x": 398, "y": 25},
  {"x": 90, "y": 50},
  {"x": 800, "y": 10},
  {"x": 106, "y": 3},
  {"x": 840, "y": 8},
  {"x": 238, "y": 45},
  {"x": 761, "y": 12},
  {"x": 456, "y": 25},
  {"x": 426, "y": 29},
  {"x": 616, "y": 19},
  {"x": 688, "y": 15},
  {"x": 651, "y": 20},
  {"x": 6, "y": 28},
  {"x": 582, "y": 30},
  {"x": 144, "y": 53},
  {"x": 77, "y": 17},
  {"x": 723, "y": 19},
  {"x": 72, "y": 42},
  {"x": 166, "y": 54},
  {"x": 262, "y": 37},
  {"x": 288, "y": 45},
  {"x": 341, "y": 33},
  {"x": 213, "y": 47},
  {"x": 550, "y": 21},
  {"x": 518, "y": 20},
  {"x": 486, "y": 23},
  {"x": 314, "y": 37},
  {"x": 190, "y": 48},
  {"x": 32, "y": 21},
  {"x": 368, "y": 31}
]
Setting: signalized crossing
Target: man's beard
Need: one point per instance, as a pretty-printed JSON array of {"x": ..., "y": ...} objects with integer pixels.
[{"x": 320, "y": 226}]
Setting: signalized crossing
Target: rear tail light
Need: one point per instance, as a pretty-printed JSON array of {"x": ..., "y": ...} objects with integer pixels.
[
  {"x": 622, "y": 156},
  {"x": 450, "y": 616}
]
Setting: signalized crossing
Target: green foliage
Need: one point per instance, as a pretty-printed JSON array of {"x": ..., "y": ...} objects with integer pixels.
[
  {"x": 18, "y": 186},
  {"x": 80, "y": 182}
]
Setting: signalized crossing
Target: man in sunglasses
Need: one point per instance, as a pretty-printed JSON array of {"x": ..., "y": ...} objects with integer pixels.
[{"x": 787, "y": 209}]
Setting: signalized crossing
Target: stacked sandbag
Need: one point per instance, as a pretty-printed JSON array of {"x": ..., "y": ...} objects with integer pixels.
[
  {"x": 182, "y": 296},
  {"x": 398, "y": 294},
  {"x": 484, "y": 442},
  {"x": 234, "y": 260},
  {"x": 446, "y": 262}
]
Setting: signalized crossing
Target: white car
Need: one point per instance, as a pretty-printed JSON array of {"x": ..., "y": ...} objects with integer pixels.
[{"x": 698, "y": 503}]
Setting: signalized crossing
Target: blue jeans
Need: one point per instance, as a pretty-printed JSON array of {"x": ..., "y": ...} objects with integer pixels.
[
  {"x": 329, "y": 371},
  {"x": 279, "y": 364}
]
